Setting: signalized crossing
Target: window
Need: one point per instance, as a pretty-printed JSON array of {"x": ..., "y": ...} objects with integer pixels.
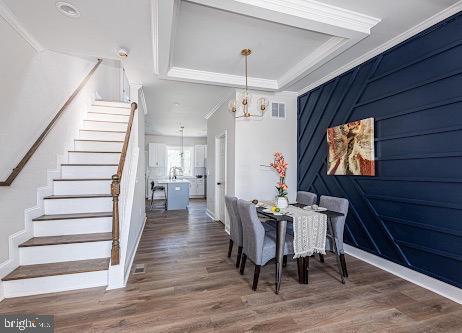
[{"x": 174, "y": 159}]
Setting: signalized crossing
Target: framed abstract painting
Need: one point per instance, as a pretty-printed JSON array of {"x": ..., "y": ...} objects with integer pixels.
[{"x": 351, "y": 149}]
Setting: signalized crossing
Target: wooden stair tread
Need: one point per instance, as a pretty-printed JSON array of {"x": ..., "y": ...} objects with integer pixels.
[
  {"x": 79, "y": 179},
  {"x": 90, "y": 130},
  {"x": 87, "y": 164},
  {"x": 108, "y": 121},
  {"x": 58, "y": 268},
  {"x": 112, "y": 114},
  {"x": 89, "y": 140},
  {"x": 77, "y": 196},
  {"x": 72, "y": 216},
  {"x": 67, "y": 239}
]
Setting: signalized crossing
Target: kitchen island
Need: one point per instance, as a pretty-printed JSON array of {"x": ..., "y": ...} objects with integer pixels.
[{"x": 177, "y": 193}]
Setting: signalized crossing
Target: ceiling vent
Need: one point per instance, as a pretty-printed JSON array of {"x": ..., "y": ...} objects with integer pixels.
[{"x": 278, "y": 110}]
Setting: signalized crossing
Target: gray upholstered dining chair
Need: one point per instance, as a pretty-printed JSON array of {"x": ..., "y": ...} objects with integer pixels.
[
  {"x": 235, "y": 227},
  {"x": 306, "y": 198},
  {"x": 339, "y": 205},
  {"x": 259, "y": 243}
]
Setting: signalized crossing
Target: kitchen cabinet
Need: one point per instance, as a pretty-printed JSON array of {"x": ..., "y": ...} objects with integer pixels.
[
  {"x": 197, "y": 188},
  {"x": 157, "y": 155},
  {"x": 193, "y": 187},
  {"x": 200, "y": 187},
  {"x": 200, "y": 155}
]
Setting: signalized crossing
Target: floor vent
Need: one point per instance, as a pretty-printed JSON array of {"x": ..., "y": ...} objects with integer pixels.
[{"x": 139, "y": 269}]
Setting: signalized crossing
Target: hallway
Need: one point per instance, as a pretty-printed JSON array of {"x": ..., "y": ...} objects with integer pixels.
[{"x": 190, "y": 285}]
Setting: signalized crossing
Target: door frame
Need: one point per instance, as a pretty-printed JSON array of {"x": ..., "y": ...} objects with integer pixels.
[{"x": 223, "y": 135}]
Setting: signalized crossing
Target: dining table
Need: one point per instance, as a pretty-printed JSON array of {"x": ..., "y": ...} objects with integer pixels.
[{"x": 281, "y": 230}]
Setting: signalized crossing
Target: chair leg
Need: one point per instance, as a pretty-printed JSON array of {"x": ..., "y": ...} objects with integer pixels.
[
  {"x": 284, "y": 261},
  {"x": 152, "y": 199},
  {"x": 321, "y": 257},
  {"x": 256, "y": 275},
  {"x": 239, "y": 254},
  {"x": 300, "y": 270},
  {"x": 243, "y": 260},
  {"x": 343, "y": 263},
  {"x": 165, "y": 200},
  {"x": 230, "y": 248},
  {"x": 306, "y": 269}
]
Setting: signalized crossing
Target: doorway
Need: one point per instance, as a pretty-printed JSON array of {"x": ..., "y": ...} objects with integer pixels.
[{"x": 220, "y": 178}]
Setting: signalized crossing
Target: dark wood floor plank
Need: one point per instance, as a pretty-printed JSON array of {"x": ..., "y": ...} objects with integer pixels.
[{"x": 190, "y": 285}]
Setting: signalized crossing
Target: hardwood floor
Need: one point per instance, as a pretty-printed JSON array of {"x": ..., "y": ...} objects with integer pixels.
[{"x": 190, "y": 285}]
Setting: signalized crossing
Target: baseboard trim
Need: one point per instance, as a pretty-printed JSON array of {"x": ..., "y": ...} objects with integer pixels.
[
  {"x": 133, "y": 254},
  {"x": 441, "y": 288},
  {"x": 211, "y": 215}
]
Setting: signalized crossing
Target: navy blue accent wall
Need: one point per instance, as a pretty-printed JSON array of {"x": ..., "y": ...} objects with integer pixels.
[{"x": 411, "y": 212}]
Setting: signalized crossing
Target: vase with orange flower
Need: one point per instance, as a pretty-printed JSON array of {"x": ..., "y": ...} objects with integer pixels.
[{"x": 280, "y": 166}]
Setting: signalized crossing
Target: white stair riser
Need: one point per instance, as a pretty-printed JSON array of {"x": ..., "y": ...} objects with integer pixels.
[
  {"x": 77, "y": 205},
  {"x": 93, "y": 158},
  {"x": 90, "y": 171},
  {"x": 81, "y": 187},
  {"x": 52, "y": 284},
  {"x": 94, "y": 135},
  {"x": 72, "y": 226},
  {"x": 98, "y": 146},
  {"x": 107, "y": 117},
  {"x": 64, "y": 252},
  {"x": 112, "y": 104},
  {"x": 104, "y": 126}
]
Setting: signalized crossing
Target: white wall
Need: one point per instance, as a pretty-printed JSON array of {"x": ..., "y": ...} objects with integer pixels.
[
  {"x": 33, "y": 87},
  {"x": 251, "y": 143},
  {"x": 222, "y": 120},
  {"x": 256, "y": 142}
]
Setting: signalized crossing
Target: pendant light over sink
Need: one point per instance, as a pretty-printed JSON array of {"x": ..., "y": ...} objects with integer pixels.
[{"x": 245, "y": 99}]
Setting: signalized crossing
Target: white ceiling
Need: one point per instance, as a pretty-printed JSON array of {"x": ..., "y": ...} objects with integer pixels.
[
  {"x": 292, "y": 50},
  {"x": 276, "y": 47},
  {"x": 180, "y": 103}
]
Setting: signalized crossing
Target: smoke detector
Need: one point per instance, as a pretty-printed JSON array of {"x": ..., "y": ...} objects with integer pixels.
[
  {"x": 67, "y": 9},
  {"x": 123, "y": 53}
]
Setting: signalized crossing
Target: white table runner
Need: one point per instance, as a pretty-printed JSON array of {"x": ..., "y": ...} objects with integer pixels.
[{"x": 310, "y": 230}]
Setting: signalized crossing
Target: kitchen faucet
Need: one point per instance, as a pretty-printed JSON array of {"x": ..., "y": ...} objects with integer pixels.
[{"x": 176, "y": 171}]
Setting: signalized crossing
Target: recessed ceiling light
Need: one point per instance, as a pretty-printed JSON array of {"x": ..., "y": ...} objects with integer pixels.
[
  {"x": 176, "y": 104},
  {"x": 67, "y": 9}
]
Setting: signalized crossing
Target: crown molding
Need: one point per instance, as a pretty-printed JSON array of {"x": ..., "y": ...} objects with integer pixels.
[
  {"x": 441, "y": 16},
  {"x": 314, "y": 60},
  {"x": 222, "y": 101},
  {"x": 193, "y": 75},
  {"x": 155, "y": 34},
  {"x": 305, "y": 14},
  {"x": 320, "y": 12},
  {"x": 11, "y": 19}
]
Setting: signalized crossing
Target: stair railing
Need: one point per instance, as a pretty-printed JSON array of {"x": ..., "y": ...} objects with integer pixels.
[
  {"x": 22, "y": 163},
  {"x": 115, "y": 191}
]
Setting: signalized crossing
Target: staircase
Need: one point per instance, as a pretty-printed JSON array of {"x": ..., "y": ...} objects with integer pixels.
[{"x": 71, "y": 246}]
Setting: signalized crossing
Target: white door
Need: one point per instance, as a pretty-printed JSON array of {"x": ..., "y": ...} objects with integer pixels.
[{"x": 220, "y": 179}]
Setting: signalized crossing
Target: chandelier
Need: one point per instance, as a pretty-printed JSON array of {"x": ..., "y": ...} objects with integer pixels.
[{"x": 245, "y": 99}]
